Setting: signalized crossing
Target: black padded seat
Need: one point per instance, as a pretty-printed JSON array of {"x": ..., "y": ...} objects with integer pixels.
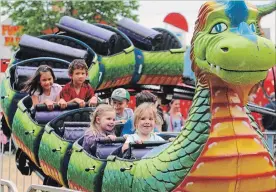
[
  {"x": 167, "y": 135},
  {"x": 76, "y": 115},
  {"x": 76, "y": 124},
  {"x": 170, "y": 41},
  {"x": 72, "y": 134},
  {"x": 104, "y": 147},
  {"x": 31, "y": 47},
  {"x": 87, "y": 30},
  {"x": 104, "y": 150},
  {"x": 122, "y": 43},
  {"x": 103, "y": 39},
  {"x": 43, "y": 117},
  {"x": 70, "y": 127},
  {"x": 140, "y": 36},
  {"x": 71, "y": 42},
  {"x": 137, "y": 151},
  {"x": 23, "y": 73}
]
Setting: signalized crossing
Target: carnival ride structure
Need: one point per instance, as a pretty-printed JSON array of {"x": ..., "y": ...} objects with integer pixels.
[{"x": 220, "y": 145}]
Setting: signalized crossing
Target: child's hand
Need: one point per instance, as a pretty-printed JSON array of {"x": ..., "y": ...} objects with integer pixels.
[
  {"x": 93, "y": 101},
  {"x": 111, "y": 137},
  {"x": 139, "y": 141},
  {"x": 171, "y": 139},
  {"x": 80, "y": 102},
  {"x": 49, "y": 104},
  {"x": 125, "y": 136},
  {"x": 62, "y": 103},
  {"x": 125, "y": 147}
]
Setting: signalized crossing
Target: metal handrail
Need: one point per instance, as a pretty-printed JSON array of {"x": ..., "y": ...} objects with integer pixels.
[
  {"x": 269, "y": 133},
  {"x": 46, "y": 188},
  {"x": 11, "y": 186},
  {"x": 263, "y": 110}
]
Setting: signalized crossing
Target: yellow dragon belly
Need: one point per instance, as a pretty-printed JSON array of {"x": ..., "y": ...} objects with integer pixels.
[{"x": 234, "y": 152}]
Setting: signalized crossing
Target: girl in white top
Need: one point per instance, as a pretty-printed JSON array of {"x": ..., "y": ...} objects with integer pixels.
[
  {"x": 145, "y": 116},
  {"x": 41, "y": 87}
]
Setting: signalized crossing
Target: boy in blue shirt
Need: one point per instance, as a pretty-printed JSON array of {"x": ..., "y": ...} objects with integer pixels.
[{"x": 120, "y": 98}]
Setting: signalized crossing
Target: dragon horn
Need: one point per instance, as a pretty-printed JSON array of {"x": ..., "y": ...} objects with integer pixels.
[{"x": 266, "y": 9}]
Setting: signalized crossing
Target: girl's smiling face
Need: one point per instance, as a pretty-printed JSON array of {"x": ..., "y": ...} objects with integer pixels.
[
  {"x": 146, "y": 123},
  {"x": 106, "y": 121},
  {"x": 46, "y": 80}
]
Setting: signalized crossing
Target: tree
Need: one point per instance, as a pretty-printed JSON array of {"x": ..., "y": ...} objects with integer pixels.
[{"x": 37, "y": 16}]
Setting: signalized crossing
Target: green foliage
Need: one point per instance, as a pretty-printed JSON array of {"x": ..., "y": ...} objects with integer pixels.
[{"x": 37, "y": 16}]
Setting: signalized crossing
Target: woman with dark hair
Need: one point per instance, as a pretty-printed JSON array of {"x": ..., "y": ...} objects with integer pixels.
[
  {"x": 146, "y": 96},
  {"x": 174, "y": 118}
]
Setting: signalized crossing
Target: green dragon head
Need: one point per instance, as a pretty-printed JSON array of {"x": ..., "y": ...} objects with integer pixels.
[{"x": 228, "y": 43}]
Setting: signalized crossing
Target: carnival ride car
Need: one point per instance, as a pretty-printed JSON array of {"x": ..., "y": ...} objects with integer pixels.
[{"x": 219, "y": 118}]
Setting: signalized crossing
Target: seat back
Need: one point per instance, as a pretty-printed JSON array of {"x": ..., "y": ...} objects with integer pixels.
[
  {"x": 142, "y": 37},
  {"x": 71, "y": 134},
  {"x": 76, "y": 124},
  {"x": 43, "y": 117},
  {"x": 137, "y": 151},
  {"x": 104, "y": 150},
  {"x": 170, "y": 40},
  {"x": 31, "y": 47},
  {"x": 90, "y": 32},
  {"x": 71, "y": 42}
]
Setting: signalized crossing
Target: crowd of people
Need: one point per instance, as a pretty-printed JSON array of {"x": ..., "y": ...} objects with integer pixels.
[{"x": 147, "y": 118}]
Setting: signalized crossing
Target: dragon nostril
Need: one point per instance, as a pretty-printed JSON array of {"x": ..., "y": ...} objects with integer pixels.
[{"x": 224, "y": 49}]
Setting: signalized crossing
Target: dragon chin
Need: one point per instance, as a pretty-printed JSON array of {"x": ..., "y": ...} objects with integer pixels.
[
  {"x": 237, "y": 77},
  {"x": 218, "y": 68}
]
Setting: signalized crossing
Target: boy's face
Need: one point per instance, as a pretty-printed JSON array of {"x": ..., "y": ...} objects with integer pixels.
[
  {"x": 79, "y": 76},
  {"x": 119, "y": 106}
]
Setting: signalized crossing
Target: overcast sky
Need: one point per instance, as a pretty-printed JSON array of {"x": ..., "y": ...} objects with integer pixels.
[{"x": 152, "y": 14}]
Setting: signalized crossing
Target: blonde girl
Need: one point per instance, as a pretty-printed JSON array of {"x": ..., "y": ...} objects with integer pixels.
[
  {"x": 102, "y": 125},
  {"x": 145, "y": 117}
]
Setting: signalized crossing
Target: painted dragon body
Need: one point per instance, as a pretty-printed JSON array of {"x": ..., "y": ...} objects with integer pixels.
[{"x": 220, "y": 147}]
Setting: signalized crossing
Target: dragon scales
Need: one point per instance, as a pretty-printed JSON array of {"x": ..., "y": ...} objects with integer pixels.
[{"x": 220, "y": 148}]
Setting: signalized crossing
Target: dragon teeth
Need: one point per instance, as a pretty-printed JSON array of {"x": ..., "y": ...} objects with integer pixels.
[
  {"x": 217, "y": 68},
  {"x": 212, "y": 66}
]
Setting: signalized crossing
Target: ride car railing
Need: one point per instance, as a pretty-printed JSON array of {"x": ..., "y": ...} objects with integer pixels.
[
  {"x": 45, "y": 188},
  {"x": 8, "y": 186}
]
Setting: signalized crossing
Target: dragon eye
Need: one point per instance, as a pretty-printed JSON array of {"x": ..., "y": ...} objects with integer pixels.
[
  {"x": 218, "y": 28},
  {"x": 252, "y": 26}
]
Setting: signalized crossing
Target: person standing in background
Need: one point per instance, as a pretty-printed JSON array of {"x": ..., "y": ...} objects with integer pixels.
[{"x": 174, "y": 118}]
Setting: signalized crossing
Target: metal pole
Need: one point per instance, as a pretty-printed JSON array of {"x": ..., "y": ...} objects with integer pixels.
[{"x": 10, "y": 153}]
